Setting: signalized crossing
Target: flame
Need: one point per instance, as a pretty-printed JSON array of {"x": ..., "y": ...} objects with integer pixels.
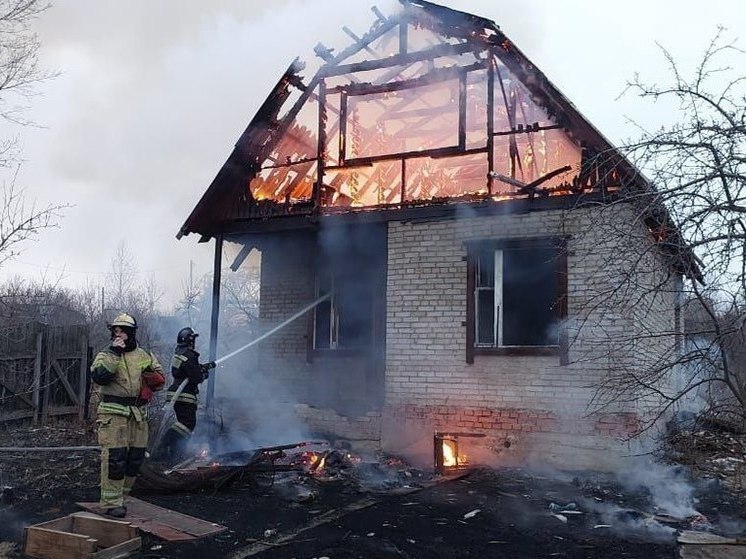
[
  {"x": 449, "y": 456},
  {"x": 321, "y": 465}
]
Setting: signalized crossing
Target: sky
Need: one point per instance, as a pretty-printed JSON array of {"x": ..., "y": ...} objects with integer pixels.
[{"x": 152, "y": 95}]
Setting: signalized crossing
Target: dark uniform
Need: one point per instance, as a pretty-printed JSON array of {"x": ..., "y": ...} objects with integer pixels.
[{"x": 185, "y": 365}]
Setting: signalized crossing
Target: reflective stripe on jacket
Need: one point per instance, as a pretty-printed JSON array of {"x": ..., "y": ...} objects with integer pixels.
[
  {"x": 184, "y": 397},
  {"x": 128, "y": 368},
  {"x": 185, "y": 365}
]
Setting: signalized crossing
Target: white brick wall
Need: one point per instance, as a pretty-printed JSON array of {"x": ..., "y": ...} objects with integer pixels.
[
  {"x": 609, "y": 305},
  {"x": 428, "y": 383}
]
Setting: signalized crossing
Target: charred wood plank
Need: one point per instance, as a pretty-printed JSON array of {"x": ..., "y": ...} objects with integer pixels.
[
  {"x": 490, "y": 121},
  {"x": 407, "y": 59},
  {"x": 435, "y": 76},
  {"x": 520, "y": 129},
  {"x": 462, "y": 110},
  {"x": 434, "y": 153},
  {"x": 358, "y": 40}
]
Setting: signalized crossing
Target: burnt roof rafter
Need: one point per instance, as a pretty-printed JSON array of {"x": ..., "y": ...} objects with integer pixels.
[
  {"x": 406, "y": 59},
  {"x": 442, "y": 52}
]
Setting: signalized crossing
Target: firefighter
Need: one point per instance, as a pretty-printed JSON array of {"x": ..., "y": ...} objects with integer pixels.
[
  {"x": 126, "y": 375},
  {"x": 185, "y": 365}
]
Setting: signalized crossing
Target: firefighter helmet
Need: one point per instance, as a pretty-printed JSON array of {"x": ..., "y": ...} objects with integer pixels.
[
  {"x": 124, "y": 320},
  {"x": 186, "y": 336}
]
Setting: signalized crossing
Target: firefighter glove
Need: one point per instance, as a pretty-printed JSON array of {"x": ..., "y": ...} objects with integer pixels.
[
  {"x": 146, "y": 394},
  {"x": 153, "y": 380}
]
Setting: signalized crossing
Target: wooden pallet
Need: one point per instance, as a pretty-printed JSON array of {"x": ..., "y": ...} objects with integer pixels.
[{"x": 166, "y": 524}]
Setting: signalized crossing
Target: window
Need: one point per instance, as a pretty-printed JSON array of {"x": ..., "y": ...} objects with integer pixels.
[
  {"x": 345, "y": 320},
  {"x": 351, "y": 267},
  {"x": 516, "y": 297}
]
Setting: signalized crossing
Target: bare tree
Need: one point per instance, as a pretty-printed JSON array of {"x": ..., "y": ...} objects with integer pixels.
[
  {"x": 22, "y": 221},
  {"x": 19, "y": 73},
  {"x": 19, "y": 56},
  {"x": 122, "y": 277},
  {"x": 694, "y": 218},
  {"x": 239, "y": 305},
  {"x": 242, "y": 294}
]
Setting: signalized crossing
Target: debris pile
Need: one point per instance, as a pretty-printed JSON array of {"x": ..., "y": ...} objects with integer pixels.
[
  {"x": 715, "y": 454},
  {"x": 299, "y": 464}
]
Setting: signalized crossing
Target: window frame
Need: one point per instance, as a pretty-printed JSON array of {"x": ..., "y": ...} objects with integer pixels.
[
  {"x": 499, "y": 245},
  {"x": 323, "y": 264}
]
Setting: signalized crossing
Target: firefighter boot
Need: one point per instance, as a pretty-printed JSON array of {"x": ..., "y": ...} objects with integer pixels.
[{"x": 117, "y": 512}]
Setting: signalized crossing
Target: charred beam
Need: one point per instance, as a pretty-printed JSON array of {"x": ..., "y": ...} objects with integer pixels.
[
  {"x": 241, "y": 256},
  {"x": 379, "y": 14},
  {"x": 358, "y": 40},
  {"x": 367, "y": 39},
  {"x": 397, "y": 60},
  {"x": 343, "y": 129},
  {"x": 316, "y": 195},
  {"x": 490, "y": 121},
  {"x": 290, "y": 163},
  {"x": 531, "y": 187},
  {"x": 215, "y": 315},
  {"x": 403, "y": 35},
  {"x": 528, "y": 129},
  {"x": 462, "y": 110},
  {"x": 434, "y": 153},
  {"x": 436, "y": 76},
  {"x": 323, "y": 52}
]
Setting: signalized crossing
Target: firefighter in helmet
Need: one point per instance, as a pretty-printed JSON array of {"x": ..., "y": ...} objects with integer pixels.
[
  {"x": 185, "y": 365},
  {"x": 126, "y": 375}
]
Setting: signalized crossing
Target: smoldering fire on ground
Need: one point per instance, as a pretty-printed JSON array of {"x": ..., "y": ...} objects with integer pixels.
[{"x": 640, "y": 510}]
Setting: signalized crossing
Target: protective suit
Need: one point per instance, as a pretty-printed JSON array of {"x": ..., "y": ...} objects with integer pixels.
[{"x": 127, "y": 375}]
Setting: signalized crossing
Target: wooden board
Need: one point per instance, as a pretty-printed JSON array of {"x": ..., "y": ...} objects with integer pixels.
[
  {"x": 44, "y": 543},
  {"x": 705, "y": 538},
  {"x": 166, "y": 524},
  {"x": 107, "y": 532},
  {"x": 712, "y": 551},
  {"x": 81, "y": 536}
]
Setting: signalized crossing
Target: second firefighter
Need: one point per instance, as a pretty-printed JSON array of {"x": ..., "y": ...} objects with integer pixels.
[{"x": 185, "y": 366}]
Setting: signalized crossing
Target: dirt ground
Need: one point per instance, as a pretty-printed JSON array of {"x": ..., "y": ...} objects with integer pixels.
[{"x": 484, "y": 513}]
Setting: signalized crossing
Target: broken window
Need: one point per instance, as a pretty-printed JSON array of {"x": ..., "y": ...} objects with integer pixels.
[
  {"x": 517, "y": 295},
  {"x": 351, "y": 270}
]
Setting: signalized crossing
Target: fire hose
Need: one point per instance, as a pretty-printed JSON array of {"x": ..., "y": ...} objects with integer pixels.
[
  {"x": 297, "y": 315},
  {"x": 165, "y": 420}
]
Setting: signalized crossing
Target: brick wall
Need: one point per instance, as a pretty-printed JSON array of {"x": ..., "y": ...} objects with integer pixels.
[
  {"x": 532, "y": 399},
  {"x": 529, "y": 407}
]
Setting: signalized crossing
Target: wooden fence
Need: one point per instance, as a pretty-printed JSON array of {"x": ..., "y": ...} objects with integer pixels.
[{"x": 43, "y": 371}]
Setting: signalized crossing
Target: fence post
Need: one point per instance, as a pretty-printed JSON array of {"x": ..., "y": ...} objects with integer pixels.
[
  {"x": 37, "y": 377},
  {"x": 82, "y": 381},
  {"x": 47, "y": 373}
]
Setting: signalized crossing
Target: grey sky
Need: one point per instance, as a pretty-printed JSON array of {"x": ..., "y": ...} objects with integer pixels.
[{"x": 154, "y": 93}]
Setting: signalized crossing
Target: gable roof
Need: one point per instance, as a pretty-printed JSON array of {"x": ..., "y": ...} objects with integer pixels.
[{"x": 432, "y": 106}]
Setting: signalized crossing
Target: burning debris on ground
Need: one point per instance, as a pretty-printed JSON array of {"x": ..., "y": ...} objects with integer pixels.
[
  {"x": 320, "y": 499},
  {"x": 299, "y": 465}
]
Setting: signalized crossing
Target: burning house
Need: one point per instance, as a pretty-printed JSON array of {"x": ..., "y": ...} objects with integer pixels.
[{"x": 450, "y": 213}]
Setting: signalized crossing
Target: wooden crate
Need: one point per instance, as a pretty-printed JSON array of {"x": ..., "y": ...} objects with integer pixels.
[{"x": 81, "y": 535}]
